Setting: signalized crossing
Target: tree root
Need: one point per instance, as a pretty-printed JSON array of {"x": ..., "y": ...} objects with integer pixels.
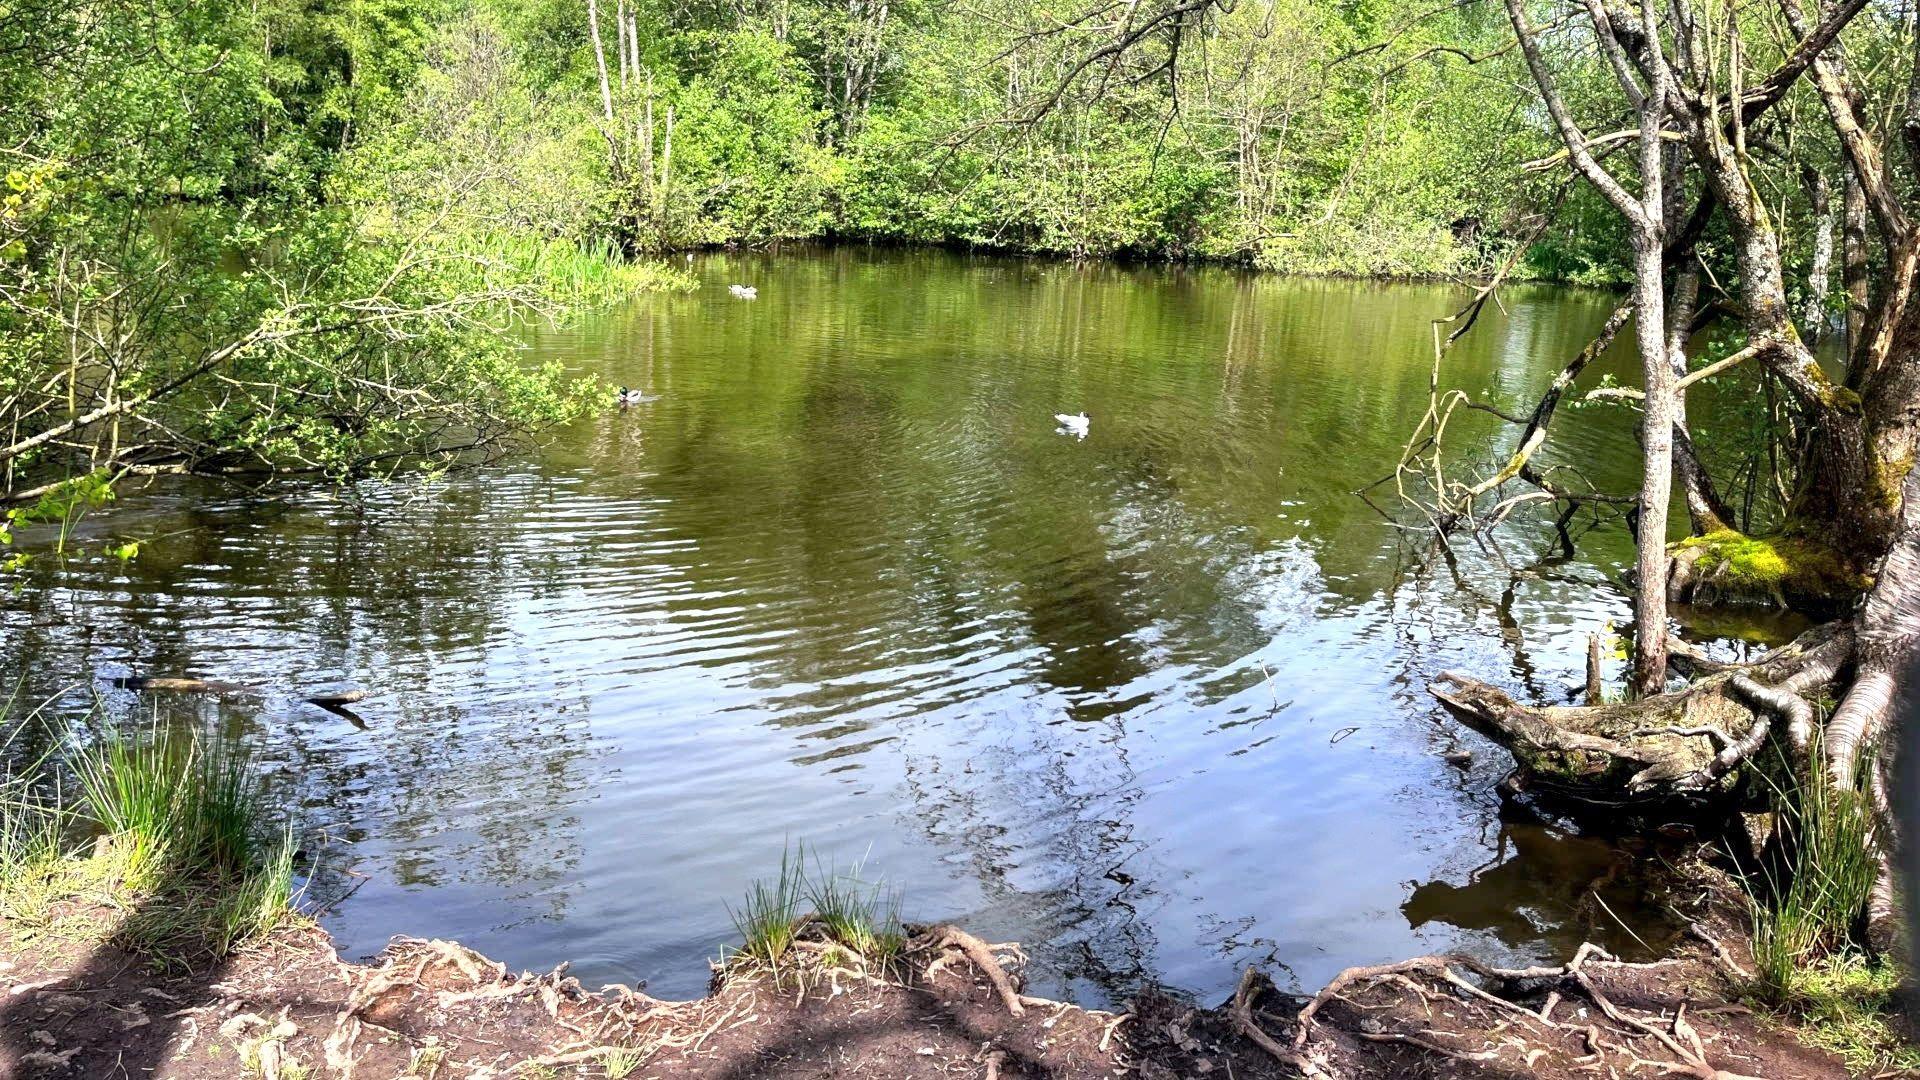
[
  {"x": 979, "y": 954},
  {"x": 1783, "y": 701},
  {"x": 1243, "y": 1022},
  {"x": 1684, "y": 1051},
  {"x": 1683, "y": 746},
  {"x": 1720, "y": 952},
  {"x": 1429, "y": 1047}
]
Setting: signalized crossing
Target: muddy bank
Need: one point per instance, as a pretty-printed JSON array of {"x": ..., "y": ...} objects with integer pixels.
[{"x": 290, "y": 1008}]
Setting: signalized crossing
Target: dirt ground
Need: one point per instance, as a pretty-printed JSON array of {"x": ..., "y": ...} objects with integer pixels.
[{"x": 291, "y": 1009}]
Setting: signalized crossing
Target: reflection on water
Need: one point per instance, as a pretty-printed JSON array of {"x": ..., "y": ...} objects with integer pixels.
[
  {"x": 841, "y": 581},
  {"x": 1544, "y": 885}
]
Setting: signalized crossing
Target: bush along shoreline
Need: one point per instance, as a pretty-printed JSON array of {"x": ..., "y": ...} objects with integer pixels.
[{"x": 150, "y": 922}]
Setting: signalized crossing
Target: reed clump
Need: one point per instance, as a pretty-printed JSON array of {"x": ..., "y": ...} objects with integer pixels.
[
  {"x": 834, "y": 918},
  {"x": 577, "y": 273},
  {"x": 1806, "y": 910}
]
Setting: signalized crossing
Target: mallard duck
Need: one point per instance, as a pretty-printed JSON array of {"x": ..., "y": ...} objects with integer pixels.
[
  {"x": 629, "y": 398},
  {"x": 1074, "y": 424},
  {"x": 744, "y": 292}
]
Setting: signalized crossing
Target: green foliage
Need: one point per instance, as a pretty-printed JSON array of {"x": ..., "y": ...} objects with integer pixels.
[
  {"x": 1587, "y": 244},
  {"x": 748, "y": 159},
  {"x": 61, "y": 505},
  {"x": 1288, "y": 146},
  {"x": 199, "y": 277}
]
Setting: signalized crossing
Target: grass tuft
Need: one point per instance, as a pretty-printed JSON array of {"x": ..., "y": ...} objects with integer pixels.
[
  {"x": 30, "y": 830},
  {"x": 766, "y": 916},
  {"x": 862, "y": 916},
  {"x": 175, "y": 801},
  {"x": 849, "y": 920},
  {"x": 163, "y": 824},
  {"x": 589, "y": 273},
  {"x": 1809, "y": 970},
  {"x": 619, "y": 1062},
  {"x": 1829, "y": 878}
]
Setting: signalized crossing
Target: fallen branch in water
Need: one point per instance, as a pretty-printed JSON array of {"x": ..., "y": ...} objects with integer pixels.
[{"x": 175, "y": 685}]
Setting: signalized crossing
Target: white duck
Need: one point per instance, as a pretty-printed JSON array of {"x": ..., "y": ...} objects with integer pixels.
[
  {"x": 744, "y": 292},
  {"x": 1074, "y": 424}
]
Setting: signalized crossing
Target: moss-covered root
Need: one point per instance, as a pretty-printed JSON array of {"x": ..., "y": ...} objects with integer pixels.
[{"x": 1729, "y": 567}]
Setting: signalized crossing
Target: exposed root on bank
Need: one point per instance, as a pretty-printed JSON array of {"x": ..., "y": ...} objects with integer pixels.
[
  {"x": 1241, "y": 1010},
  {"x": 940, "y": 939},
  {"x": 1444, "y": 1013}
]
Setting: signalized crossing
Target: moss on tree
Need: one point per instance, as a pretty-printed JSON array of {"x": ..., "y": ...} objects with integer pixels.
[{"x": 1788, "y": 570}]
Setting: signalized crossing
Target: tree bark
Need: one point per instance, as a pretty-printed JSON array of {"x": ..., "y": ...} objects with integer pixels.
[
  {"x": 1705, "y": 512},
  {"x": 1657, "y": 421},
  {"x": 1888, "y": 635},
  {"x": 1645, "y": 214},
  {"x": 1814, "y": 316},
  {"x": 1853, "y": 267},
  {"x": 1685, "y": 746}
]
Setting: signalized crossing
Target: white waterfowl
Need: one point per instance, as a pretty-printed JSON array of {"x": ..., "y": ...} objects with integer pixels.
[
  {"x": 630, "y": 397},
  {"x": 1073, "y": 424},
  {"x": 744, "y": 292}
]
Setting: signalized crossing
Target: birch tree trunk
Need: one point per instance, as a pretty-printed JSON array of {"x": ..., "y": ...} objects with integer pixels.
[
  {"x": 1814, "y": 317},
  {"x": 1853, "y": 259},
  {"x": 600, "y": 59}
]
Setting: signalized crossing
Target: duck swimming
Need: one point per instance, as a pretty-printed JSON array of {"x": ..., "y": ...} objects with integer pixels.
[
  {"x": 628, "y": 398},
  {"x": 1074, "y": 424},
  {"x": 744, "y": 292}
]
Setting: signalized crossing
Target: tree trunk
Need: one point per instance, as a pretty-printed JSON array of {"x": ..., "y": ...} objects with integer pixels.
[
  {"x": 1657, "y": 421},
  {"x": 599, "y": 58},
  {"x": 1705, "y": 512},
  {"x": 1889, "y": 622},
  {"x": 1814, "y": 315},
  {"x": 1853, "y": 263}
]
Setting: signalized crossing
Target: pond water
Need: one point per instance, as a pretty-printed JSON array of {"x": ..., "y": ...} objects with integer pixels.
[{"x": 1152, "y": 702}]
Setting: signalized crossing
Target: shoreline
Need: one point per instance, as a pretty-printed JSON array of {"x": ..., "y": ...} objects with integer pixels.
[
  {"x": 288, "y": 1008},
  {"x": 1467, "y": 278}
]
